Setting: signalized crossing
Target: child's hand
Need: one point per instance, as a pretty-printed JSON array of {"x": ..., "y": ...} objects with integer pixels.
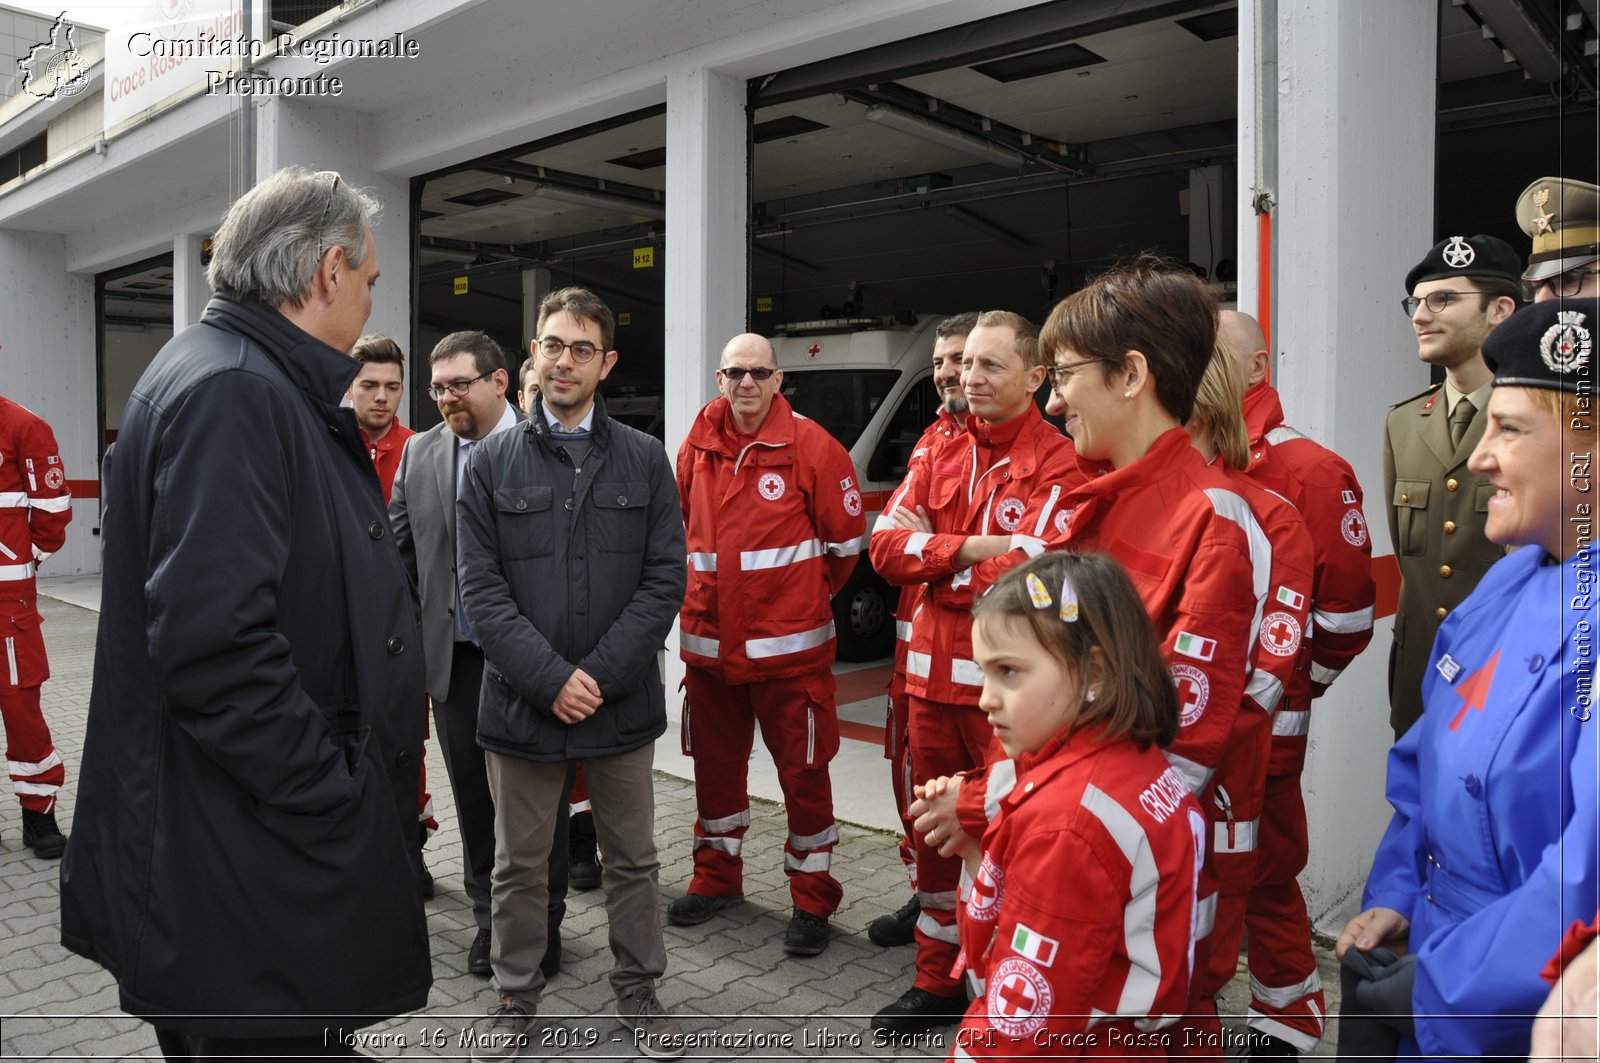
[{"x": 935, "y": 817}]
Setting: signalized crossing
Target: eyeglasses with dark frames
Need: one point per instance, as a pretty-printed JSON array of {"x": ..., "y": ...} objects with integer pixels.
[
  {"x": 1435, "y": 301},
  {"x": 582, "y": 350},
  {"x": 1563, "y": 285},
  {"x": 735, "y": 373},
  {"x": 322, "y": 242},
  {"x": 457, "y": 388}
]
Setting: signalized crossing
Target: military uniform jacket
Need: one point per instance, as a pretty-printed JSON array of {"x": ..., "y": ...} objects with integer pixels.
[
  {"x": 1436, "y": 513},
  {"x": 1492, "y": 849}
]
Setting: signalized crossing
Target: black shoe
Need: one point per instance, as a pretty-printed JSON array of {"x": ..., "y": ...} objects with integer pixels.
[
  {"x": 897, "y": 929},
  {"x": 583, "y": 856},
  {"x": 40, "y": 833},
  {"x": 918, "y": 1011},
  {"x": 1266, "y": 1046},
  {"x": 424, "y": 881},
  {"x": 692, "y": 909},
  {"x": 478, "y": 954},
  {"x": 551, "y": 964},
  {"x": 807, "y": 934}
]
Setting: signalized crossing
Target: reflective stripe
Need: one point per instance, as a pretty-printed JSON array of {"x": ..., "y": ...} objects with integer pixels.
[
  {"x": 13, "y": 500},
  {"x": 1139, "y": 915},
  {"x": 779, "y": 556},
  {"x": 815, "y": 841},
  {"x": 1282, "y": 1031},
  {"x": 1343, "y": 623},
  {"x": 943, "y": 901},
  {"x": 1244, "y": 836},
  {"x": 23, "y": 767},
  {"x": 11, "y": 661},
  {"x": 34, "y": 789},
  {"x": 1282, "y": 434},
  {"x": 759, "y": 649},
  {"x": 1231, "y": 507},
  {"x": 724, "y": 824},
  {"x": 918, "y": 664},
  {"x": 1291, "y": 723},
  {"x": 1194, "y": 774},
  {"x": 1205, "y": 917},
  {"x": 965, "y": 672},
  {"x": 699, "y": 645},
  {"x": 812, "y": 864},
  {"x": 4, "y": 549},
  {"x": 1323, "y": 675},
  {"x": 961, "y": 579},
  {"x": 731, "y": 846},
  {"x": 1002, "y": 780},
  {"x": 1031, "y": 545},
  {"x": 849, "y": 548},
  {"x": 950, "y": 935},
  {"x": 884, "y": 522},
  {"x": 11, "y": 572},
  {"x": 58, "y": 504},
  {"x": 902, "y": 630},
  {"x": 579, "y": 806},
  {"x": 1285, "y": 996},
  {"x": 703, "y": 562},
  {"x": 979, "y": 987},
  {"x": 959, "y": 1054},
  {"x": 1265, "y": 689},
  {"x": 1044, "y": 514},
  {"x": 916, "y": 542}
]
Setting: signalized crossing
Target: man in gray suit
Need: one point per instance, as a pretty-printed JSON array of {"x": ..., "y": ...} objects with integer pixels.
[
  {"x": 469, "y": 381},
  {"x": 1457, "y": 295}
]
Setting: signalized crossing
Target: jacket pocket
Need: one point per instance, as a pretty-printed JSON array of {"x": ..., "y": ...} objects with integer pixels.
[
  {"x": 522, "y": 516},
  {"x": 1410, "y": 503},
  {"x": 622, "y": 511}
]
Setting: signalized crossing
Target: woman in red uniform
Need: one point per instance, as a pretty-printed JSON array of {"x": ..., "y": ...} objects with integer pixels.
[{"x": 1077, "y": 923}]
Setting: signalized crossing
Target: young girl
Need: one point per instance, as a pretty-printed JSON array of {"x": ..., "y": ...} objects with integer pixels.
[{"x": 1078, "y": 923}]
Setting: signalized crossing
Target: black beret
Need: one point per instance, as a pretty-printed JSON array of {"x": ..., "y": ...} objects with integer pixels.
[
  {"x": 1546, "y": 345},
  {"x": 1467, "y": 256}
]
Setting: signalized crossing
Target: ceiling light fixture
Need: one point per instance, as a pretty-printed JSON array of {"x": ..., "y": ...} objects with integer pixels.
[
  {"x": 951, "y": 138},
  {"x": 600, "y": 201}
]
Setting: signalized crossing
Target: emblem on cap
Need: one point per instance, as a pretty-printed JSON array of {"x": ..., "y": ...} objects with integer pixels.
[
  {"x": 1540, "y": 198},
  {"x": 1566, "y": 344},
  {"x": 1458, "y": 253}
]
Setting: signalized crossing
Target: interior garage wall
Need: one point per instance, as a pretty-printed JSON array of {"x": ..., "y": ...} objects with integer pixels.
[{"x": 128, "y": 351}]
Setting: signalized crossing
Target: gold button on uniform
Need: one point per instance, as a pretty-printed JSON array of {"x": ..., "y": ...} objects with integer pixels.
[
  {"x": 1451, "y": 484},
  {"x": 1449, "y": 527},
  {"x": 1440, "y": 613},
  {"x": 1444, "y": 571}
]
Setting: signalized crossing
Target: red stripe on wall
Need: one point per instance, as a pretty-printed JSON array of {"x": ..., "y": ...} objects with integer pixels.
[
  {"x": 1386, "y": 573},
  {"x": 864, "y": 683},
  {"x": 83, "y": 489},
  {"x": 861, "y": 732}
]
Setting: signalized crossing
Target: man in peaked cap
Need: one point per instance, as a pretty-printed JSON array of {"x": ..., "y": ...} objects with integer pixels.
[
  {"x": 1563, "y": 218},
  {"x": 1458, "y": 294}
]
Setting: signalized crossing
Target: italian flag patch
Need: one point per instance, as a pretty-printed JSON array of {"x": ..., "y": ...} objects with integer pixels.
[
  {"x": 1035, "y": 946},
  {"x": 1291, "y": 599},
  {"x": 1201, "y": 649}
]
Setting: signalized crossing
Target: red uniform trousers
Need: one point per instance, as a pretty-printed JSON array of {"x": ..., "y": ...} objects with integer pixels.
[
  {"x": 1286, "y": 998},
  {"x": 579, "y": 801},
  {"x": 945, "y": 739},
  {"x": 31, "y": 758},
  {"x": 800, "y": 726},
  {"x": 897, "y": 751}
]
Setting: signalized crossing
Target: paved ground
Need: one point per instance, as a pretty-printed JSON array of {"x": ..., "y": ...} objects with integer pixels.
[{"x": 726, "y": 980}]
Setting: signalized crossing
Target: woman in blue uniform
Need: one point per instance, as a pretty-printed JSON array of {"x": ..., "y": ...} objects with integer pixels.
[{"x": 1492, "y": 849}]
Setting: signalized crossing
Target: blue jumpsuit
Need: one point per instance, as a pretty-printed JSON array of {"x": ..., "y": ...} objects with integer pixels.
[{"x": 1492, "y": 849}]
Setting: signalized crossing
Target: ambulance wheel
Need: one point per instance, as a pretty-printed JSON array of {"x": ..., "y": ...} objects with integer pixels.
[{"x": 863, "y": 615}]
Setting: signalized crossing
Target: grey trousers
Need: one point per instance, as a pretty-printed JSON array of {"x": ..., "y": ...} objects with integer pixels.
[{"x": 527, "y": 795}]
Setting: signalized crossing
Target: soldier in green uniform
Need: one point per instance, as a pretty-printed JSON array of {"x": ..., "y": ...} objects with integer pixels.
[
  {"x": 1458, "y": 294},
  {"x": 1563, "y": 217}
]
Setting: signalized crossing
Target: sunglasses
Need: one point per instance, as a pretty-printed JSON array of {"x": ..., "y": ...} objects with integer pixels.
[{"x": 736, "y": 373}]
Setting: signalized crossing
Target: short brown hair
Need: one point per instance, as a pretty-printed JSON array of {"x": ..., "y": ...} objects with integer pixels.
[
  {"x": 379, "y": 349},
  {"x": 1218, "y": 409},
  {"x": 1153, "y": 305},
  {"x": 580, "y": 303},
  {"x": 487, "y": 355},
  {"x": 528, "y": 374},
  {"x": 1136, "y": 699},
  {"x": 1027, "y": 333}
]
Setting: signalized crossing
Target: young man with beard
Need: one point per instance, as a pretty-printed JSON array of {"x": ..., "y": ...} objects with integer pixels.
[
  {"x": 375, "y": 397},
  {"x": 1458, "y": 294}
]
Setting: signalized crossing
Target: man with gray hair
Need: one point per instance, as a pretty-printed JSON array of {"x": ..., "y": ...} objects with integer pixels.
[{"x": 240, "y": 859}]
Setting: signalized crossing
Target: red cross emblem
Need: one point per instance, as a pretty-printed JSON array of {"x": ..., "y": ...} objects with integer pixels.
[
  {"x": 1194, "y": 689},
  {"x": 1019, "y": 997},
  {"x": 1280, "y": 634},
  {"x": 983, "y": 903},
  {"x": 814, "y": 350}
]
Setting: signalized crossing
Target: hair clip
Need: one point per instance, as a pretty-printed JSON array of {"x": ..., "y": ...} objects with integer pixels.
[
  {"x": 1069, "y": 601},
  {"x": 1037, "y": 592}
]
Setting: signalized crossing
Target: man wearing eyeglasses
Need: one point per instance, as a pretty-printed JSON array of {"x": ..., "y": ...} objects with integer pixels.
[
  {"x": 572, "y": 569},
  {"x": 1459, "y": 293},
  {"x": 1563, "y": 218},
  {"x": 468, "y": 381},
  {"x": 775, "y": 527}
]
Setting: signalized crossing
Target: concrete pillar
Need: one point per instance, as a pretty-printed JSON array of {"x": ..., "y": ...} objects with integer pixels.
[
  {"x": 48, "y": 365},
  {"x": 1355, "y": 181},
  {"x": 536, "y": 284},
  {"x": 190, "y": 290}
]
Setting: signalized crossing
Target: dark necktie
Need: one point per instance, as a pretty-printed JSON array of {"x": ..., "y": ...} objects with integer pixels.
[
  {"x": 1460, "y": 419},
  {"x": 461, "y": 612}
]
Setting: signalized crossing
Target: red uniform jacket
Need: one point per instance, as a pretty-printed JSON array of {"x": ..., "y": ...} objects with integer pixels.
[
  {"x": 1323, "y": 488},
  {"x": 1005, "y": 479},
  {"x": 35, "y": 508},
  {"x": 775, "y": 526},
  {"x": 944, "y": 427},
  {"x": 1078, "y": 925},
  {"x": 386, "y": 454}
]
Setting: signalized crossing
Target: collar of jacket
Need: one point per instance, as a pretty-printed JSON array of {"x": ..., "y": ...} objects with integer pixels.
[
  {"x": 1065, "y": 748},
  {"x": 539, "y": 423},
  {"x": 713, "y": 429},
  {"x": 1263, "y": 411},
  {"x": 1172, "y": 452},
  {"x": 1016, "y": 434},
  {"x": 311, "y": 365}
]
